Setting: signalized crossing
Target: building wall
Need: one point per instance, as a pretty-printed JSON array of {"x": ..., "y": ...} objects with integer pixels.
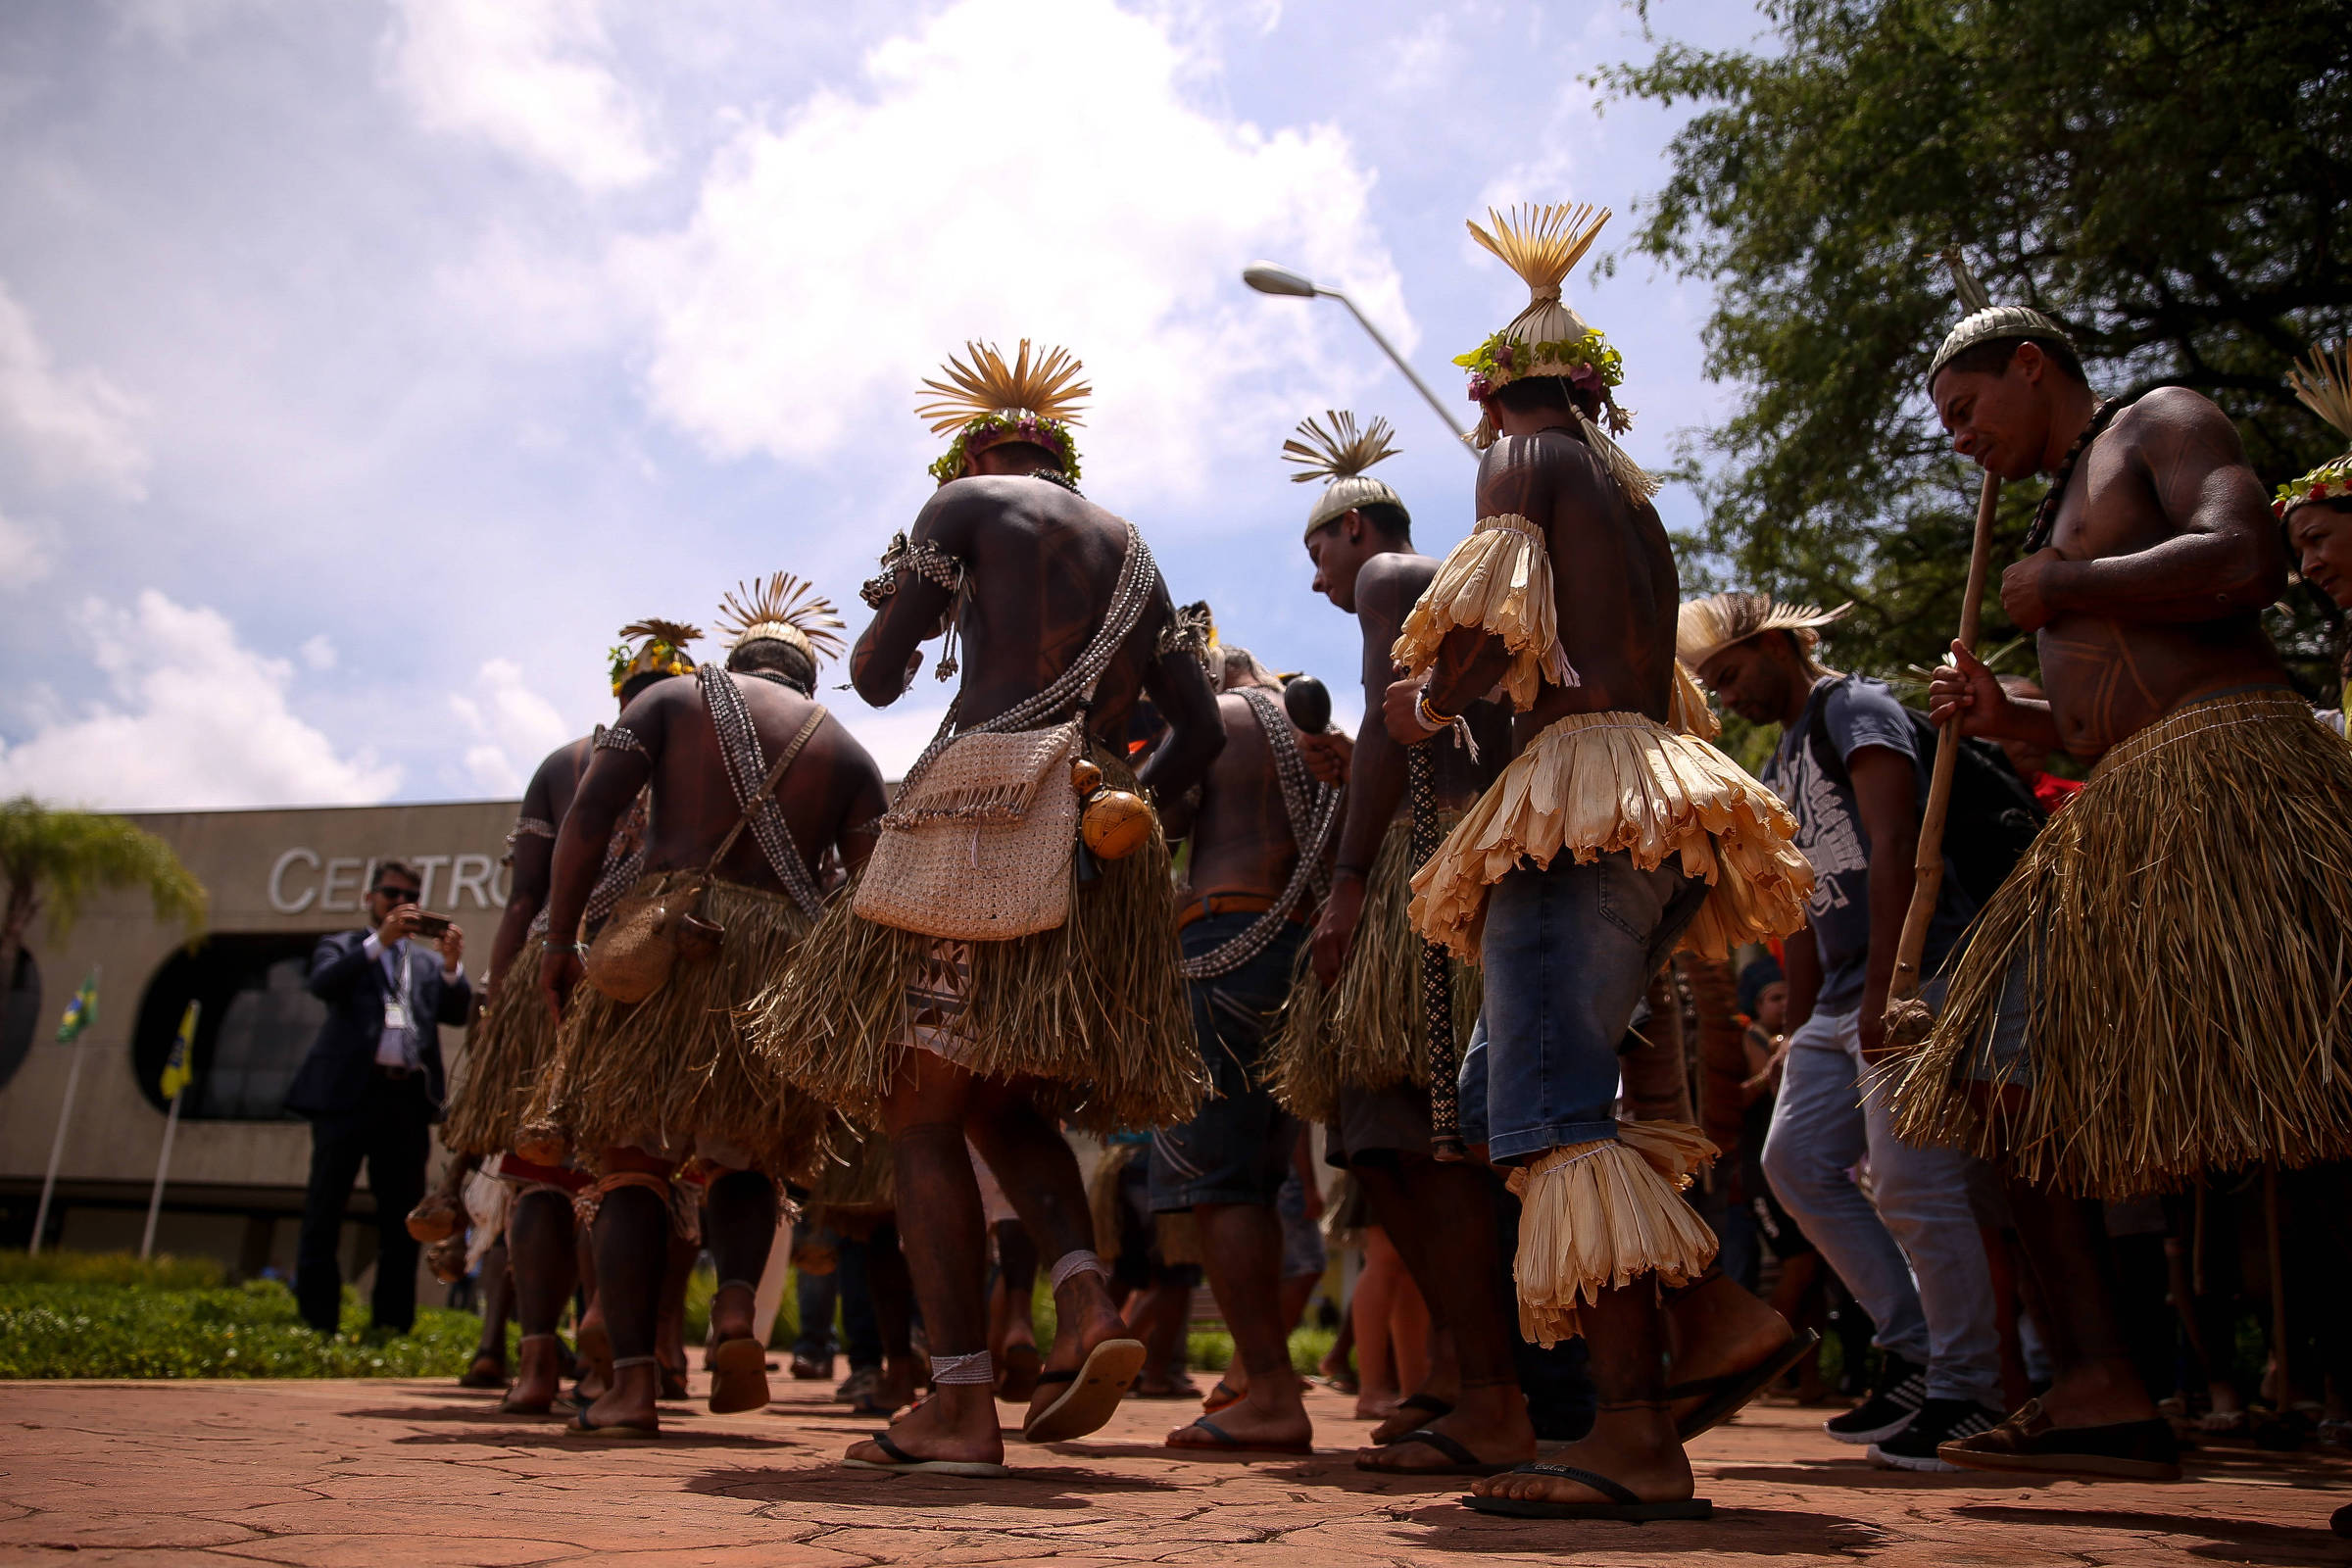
[{"x": 294, "y": 872}]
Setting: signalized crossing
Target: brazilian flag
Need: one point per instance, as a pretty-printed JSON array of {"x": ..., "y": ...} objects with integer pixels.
[
  {"x": 179, "y": 1066},
  {"x": 80, "y": 1013}
]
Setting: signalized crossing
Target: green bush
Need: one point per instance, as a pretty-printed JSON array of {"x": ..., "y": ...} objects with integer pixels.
[{"x": 165, "y": 1273}]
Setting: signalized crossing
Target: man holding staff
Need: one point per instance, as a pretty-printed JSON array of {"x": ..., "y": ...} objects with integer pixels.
[{"x": 2158, "y": 989}]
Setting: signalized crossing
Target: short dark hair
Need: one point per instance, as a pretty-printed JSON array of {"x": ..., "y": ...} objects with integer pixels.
[
  {"x": 1993, "y": 356},
  {"x": 639, "y": 682},
  {"x": 777, "y": 657},
  {"x": 1039, "y": 456},
  {"x": 1389, "y": 518},
  {"x": 1533, "y": 394},
  {"x": 385, "y": 868}
]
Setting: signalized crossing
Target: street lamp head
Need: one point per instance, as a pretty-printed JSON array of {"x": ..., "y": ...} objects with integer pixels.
[{"x": 1268, "y": 278}]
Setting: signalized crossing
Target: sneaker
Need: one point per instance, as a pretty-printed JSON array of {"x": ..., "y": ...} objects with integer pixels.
[
  {"x": 1901, "y": 1388},
  {"x": 1938, "y": 1421},
  {"x": 859, "y": 1386}
]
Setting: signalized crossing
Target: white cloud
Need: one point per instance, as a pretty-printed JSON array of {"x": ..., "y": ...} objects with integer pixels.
[
  {"x": 533, "y": 78},
  {"x": 66, "y": 427},
  {"x": 199, "y": 720},
  {"x": 1016, "y": 169},
  {"x": 512, "y": 728},
  {"x": 24, "y": 555},
  {"x": 318, "y": 653}
]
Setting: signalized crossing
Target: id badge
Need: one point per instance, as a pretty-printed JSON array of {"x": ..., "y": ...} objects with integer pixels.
[{"x": 396, "y": 1015}]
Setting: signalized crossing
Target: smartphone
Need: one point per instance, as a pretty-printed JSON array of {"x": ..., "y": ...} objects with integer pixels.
[{"x": 432, "y": 927}]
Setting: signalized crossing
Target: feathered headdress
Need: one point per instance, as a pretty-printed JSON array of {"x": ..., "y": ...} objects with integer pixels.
[
  {"x": 1708, "y": 626},
  {"x": 661, "y": 651},
  {"x": 784, "y": 609},
  {"x": 1541, "y": 243},
  {"x": 1340, "y": 455},
  {"x": 2325, "y": 387},
  {"x": 988, "y": 402},
  {"x": 1987, "y": 323}
]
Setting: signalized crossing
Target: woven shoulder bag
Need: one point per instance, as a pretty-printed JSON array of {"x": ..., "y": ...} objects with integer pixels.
[{"x": 978, "y": 848}]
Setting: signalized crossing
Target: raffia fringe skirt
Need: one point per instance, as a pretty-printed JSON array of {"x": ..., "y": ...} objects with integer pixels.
[
  {"x": 1593, "y": 784},
  {"x": 1366, "y": 1032},
  {"x": 1093, "y": 1010},
  {"x": 507, "y": 1053},
  {"x": 676, "y": 1070},
  {"x": 1597, "y": 1215},
  {"x": 856, "y": 1187},
  {"x": 2184, "y": 929}
]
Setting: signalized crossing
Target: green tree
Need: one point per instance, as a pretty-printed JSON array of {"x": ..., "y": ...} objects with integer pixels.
[
  {"x": 2171, "y": 179},
  {"x": 54, "y": 860}
]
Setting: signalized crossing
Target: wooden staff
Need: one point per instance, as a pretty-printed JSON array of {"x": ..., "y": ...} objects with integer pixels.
[
  {"x": 1436, "y": 984},
  {"x": 1908, "y": 1020}
]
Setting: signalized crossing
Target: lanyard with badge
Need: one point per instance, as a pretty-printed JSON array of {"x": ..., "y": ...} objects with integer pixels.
[{"x": 396, "y": 998}]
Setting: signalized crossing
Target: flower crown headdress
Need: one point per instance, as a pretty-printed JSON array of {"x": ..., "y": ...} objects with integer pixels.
[
  {"x": 988, "y": 402},
  {"x": 2325, "y": 387},
  {"x": 662, "y": 653},
  {"x": 1340, "y": 455},
  {"x": 784, "y": 609},
  {"x": 1542, "y": 242}
]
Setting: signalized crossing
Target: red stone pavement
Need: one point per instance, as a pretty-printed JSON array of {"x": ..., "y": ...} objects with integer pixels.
[{"x": 374, "y": 1473}]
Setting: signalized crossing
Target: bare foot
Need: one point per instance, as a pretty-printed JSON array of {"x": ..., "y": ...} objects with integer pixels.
[
  {"x": 1633, "y": 1445},
  {"x": 1436, "y": 1397},
  {"x": 538, "y": 1377},
  {"x": 957, "y": 1422},
  {"x": 1375, "y": 1404},
  {"x": 1271, "y": 1416},
  {"x": 1083, "y": 1318},
  {"x": 1489, "y": 1422},
  {"x": 631, "y": 1401},
  {"x": 596, "y": 1356},
  {"x": 1715, "y": 1330}
]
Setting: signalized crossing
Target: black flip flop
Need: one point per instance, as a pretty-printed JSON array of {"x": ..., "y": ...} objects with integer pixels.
[
  {"x": 1465, "y": 1463},
  {"x": 1622, "y": 1506},
  {"x": 1429, "y": 1404},
  {"x": 904, "y": 1463},
  {"x": 1726, "y": 1394},
  {"x": 1227, "y": 1443}
]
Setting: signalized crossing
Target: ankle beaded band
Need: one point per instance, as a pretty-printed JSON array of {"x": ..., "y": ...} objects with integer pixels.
[
  {"x": 1073, "y": 1264},
  {"x": 949, "y": 1371}
]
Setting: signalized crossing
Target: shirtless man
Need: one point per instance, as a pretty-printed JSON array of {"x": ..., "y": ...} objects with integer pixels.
[
  {"x": 946, "y": 1039},
  {"x": 650, "y": 1085},
  {"x": 508, "y": 1046},
  {"x": 1441, "y": 1217},
  {"x": 1573, "y": 877},
  {"x": 2143, "y": 581},
  {"x": 1261, "y": 839}
]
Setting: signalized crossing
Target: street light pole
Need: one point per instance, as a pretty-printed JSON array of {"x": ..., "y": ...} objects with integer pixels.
[{"x": 1268, "y": 278}]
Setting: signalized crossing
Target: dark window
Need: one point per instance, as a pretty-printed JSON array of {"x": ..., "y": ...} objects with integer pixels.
[
  {"x": 20, "y": 1015},
  {"x": 255, "y": 1021}
]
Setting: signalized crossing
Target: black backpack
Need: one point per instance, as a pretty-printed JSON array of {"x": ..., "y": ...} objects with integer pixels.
[{"x": 1992, "y": 818}]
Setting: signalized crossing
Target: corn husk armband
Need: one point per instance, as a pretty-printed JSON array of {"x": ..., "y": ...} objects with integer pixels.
[
  {"x": 1497, "y": 580},
  {"x": 1593, "y": 784},
  {"x": 1599, "y": 1215}
]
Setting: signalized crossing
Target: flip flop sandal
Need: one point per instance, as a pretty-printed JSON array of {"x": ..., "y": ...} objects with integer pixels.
[
  {"x": 1220, "y": 1398},
  {"x": 581, "y": 1426},
  {"x": 1430, "y": 1406},
  {"x": 738, "y": 1377},
  {"x": 1094, "y": 1392},
  {"x": 1725, "y": 1396},
  {"x": 1465, "y": 1463},
  {"x": 1224, "y": 1442},
  {"x": 902, "y": 1463},
  {"x": 1622, "y": 1507},
  {"x": 1016, "y": 1383},
  {"x": 486, "y": 1372}
]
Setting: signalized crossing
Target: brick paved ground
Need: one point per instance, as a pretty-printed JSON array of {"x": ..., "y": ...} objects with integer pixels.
[{"x": 373, "y": 1474}]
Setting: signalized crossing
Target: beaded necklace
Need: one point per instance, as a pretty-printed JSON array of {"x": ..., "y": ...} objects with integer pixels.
[{"x": 2045, "y": 516}]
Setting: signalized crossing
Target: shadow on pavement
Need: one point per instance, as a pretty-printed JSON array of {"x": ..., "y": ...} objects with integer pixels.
[
  {"x": 1752, "y": 1532},
  {"x": 2247, "y": 1541},
  {"x": 1052, "y": 1488}
]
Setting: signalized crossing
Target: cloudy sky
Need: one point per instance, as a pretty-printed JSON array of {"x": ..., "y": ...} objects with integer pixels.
[{"x": 364, "y": 364}]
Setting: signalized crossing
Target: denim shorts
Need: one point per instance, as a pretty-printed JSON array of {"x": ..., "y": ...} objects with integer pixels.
[
  {"x": 1237, "y": 1149},
  {"x": 1568, "y": 952}
]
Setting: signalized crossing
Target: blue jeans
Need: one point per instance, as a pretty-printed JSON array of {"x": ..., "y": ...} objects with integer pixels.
[
  {"x": 1568, "y": 953},
  {"x": 1237, "y": 1149},
  {"x": 1916, "y": 1261}
]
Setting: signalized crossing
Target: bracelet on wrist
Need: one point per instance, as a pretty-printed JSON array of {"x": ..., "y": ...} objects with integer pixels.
[{"x": 1431, "y": 719}]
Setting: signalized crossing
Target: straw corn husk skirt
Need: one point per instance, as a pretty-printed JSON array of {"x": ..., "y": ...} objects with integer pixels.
[
  {"x": 1091, "y": 1011},
  {"x": 1367, "y": 1031},
  {"x": 1593, "y": 784},
  {"x": 1595, "y": 1216},
  {"x": 506, "y": 1052},
  {"x": 2183, "y": 932},
  {"x": 677, "y": 1072}
]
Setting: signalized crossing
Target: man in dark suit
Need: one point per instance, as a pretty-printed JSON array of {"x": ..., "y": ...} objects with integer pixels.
[{"x": 372, "y": 1087}]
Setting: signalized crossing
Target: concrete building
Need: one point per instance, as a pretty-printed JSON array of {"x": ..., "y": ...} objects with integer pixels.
[{"x": 278, "y": 881}]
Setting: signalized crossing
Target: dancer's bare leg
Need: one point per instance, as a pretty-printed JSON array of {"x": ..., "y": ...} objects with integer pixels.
[
  {"x": 632, "y": 1256},
  {"x": 540, "y": 1249},
  {"x": 1369, "y": 1309},
  {"x": 670, "y": 1332},
  {"x": 2064, "y": 1244},
  {"x": 892, "y": 1289},
  {"x": 1243, "y": 1243},
  {"x": 497, "y": 1306},
  {"x": 1633, "y": 1441}
]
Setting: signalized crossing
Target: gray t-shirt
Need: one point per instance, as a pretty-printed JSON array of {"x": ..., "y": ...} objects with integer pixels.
[{"x": 1851, "y": 712}]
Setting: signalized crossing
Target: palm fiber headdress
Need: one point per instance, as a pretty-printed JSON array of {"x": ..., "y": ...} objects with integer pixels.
[
  {"x": 1340, "y": 455},
  {"x": 784, "y": 609},
  {"x": 1541, "y": 243},
  {"x": 1987, "y": 323},
  {"x": 1708, "y": 626},
  {"x": 662, "y": 650},
  {"x": 987, "y": 402},
  {"x": 2325, "y": 387}
]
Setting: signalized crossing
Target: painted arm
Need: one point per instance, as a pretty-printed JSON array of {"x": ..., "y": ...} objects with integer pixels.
[{"x": 890, "y": 650}]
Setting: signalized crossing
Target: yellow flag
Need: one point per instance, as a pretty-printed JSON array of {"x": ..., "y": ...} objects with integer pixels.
[{"x": 179, "y": 1066}]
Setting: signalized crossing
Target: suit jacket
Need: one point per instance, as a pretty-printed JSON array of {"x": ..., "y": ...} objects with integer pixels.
[{"x": 339, "y": 1073}]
